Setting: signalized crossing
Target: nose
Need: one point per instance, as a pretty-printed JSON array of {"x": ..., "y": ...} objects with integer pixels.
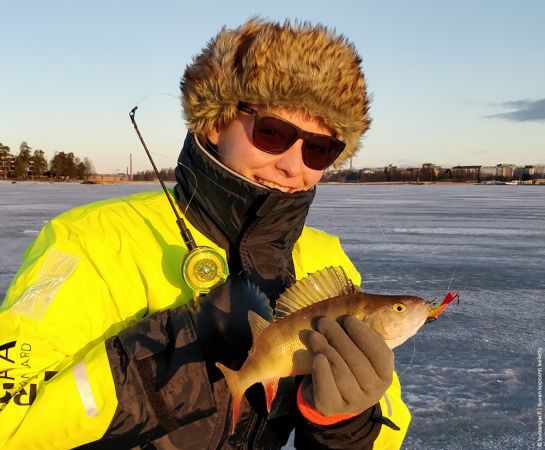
[{"x": 290, "y": 163}]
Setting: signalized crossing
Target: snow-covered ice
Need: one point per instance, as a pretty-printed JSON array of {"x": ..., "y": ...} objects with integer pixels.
[{"x": 472, "y": 378}]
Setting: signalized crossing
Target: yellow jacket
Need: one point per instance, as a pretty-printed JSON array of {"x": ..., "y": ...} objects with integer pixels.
[{"x": 90, "y": 273}]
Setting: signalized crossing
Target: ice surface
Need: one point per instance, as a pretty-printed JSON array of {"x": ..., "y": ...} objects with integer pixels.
[{"x": 472, "y": 378}]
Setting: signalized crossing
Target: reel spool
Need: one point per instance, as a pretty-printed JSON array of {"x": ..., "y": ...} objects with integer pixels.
[{"x": 204, "y": 268}]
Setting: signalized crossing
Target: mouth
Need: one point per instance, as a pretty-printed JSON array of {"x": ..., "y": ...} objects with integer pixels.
[{"x": 273, "y": 185}]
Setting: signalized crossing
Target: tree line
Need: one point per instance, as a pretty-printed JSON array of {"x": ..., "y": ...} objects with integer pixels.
[
  {"x": 32, "y": 164},
  {"x": 149, "y": 175}
]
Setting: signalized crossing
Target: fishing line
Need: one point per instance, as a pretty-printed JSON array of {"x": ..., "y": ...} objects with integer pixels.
[
  {"x": 381, "y": 229},
  {"x": 409, "y": 444},
  {"x": 452, "y": 277},
  {"x": 450, "y": 381},
  {"x": 194, "y": 190},
  {"x": 167, "y": 94},
  {"x": 169, "y": 158},
  {"x": 412, "y": 357},
  {"x": 450, "y": 377},
  {"x": 288, "y": 272},
  {"x": 190, "y": 171},
  {"x": 280, "y": 267}
]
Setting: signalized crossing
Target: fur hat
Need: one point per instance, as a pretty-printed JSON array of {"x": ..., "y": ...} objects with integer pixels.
[{"x": 303, "y": 67}]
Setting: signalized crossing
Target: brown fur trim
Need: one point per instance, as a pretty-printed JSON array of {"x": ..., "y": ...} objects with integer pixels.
[{"x": 301, "y": 66}]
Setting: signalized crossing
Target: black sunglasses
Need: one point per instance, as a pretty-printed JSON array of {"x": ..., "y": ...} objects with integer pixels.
[{"x": 274, "y": 135}]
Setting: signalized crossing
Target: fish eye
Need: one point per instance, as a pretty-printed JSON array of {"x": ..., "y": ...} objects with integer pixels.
[{"x": 399, "y": 307}]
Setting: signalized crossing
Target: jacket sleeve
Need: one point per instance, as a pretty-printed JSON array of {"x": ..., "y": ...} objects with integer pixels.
[
  {"x": 382, "y": 427},
  {"x": 160, "y": 380},
  {"x": 357, "y": 433},
  {"x": 57, "y": 345}
]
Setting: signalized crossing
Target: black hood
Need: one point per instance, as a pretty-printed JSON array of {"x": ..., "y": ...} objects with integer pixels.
[{"x": 256, "y": 226}]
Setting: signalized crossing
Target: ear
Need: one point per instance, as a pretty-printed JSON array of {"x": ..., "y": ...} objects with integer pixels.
[{"x": 213, "y": 135}]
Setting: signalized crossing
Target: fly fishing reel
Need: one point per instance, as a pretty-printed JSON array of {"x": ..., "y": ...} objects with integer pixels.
[{"x": 203, "y": 268}]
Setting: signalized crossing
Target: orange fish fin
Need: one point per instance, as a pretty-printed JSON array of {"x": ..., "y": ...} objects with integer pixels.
[
  {"x": 271, "y": 388},
  {"x": 233, "y": 382},
  {"x": 257, "y": 324},
  {"x": 326, "y": 283},
  {"x": 236, "y": 410}
]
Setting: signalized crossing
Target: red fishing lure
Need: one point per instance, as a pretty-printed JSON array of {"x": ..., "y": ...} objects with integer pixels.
[{"x": 449, "y": 298}]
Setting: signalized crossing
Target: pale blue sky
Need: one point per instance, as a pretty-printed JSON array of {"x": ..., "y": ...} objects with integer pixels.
[{"x": 438, "y": 70}]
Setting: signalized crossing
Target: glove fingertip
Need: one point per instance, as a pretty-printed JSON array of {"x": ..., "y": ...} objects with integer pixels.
[
  {"x": 315, "y": 341},
  {"x": 325, "y": 324},
  {"x": 319, "y": 362}
]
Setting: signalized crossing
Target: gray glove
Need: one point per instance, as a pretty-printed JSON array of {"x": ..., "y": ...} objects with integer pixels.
[{"x": 351, "y": 369}]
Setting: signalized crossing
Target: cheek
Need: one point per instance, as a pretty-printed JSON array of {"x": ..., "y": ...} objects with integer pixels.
[
  {"x": 243, "y": 158},
  {"x": 311, "y": 177},
  {"x": 234, "y": 147},
  {"x": 237, "y": 152}
]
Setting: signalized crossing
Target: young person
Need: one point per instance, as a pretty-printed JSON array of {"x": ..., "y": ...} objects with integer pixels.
[{"x": 100, "y": 344}]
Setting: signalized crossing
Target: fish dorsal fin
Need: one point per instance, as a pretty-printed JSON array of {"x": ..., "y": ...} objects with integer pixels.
[
  {"x": 257, "y": 324},
  {"x": 326, "y": 283}
]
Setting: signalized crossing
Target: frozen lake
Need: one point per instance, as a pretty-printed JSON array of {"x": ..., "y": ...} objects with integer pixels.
[{"x": 470, "y": 378}]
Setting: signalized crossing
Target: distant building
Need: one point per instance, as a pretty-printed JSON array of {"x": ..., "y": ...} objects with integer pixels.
[
  {"x": 464, "y": 173},
  {"x": 107, "y": 178},
  {"x": 430, "y": 172},
  {"x": 409, "y": 173},
  {"x": 391, "y": 169},
  {"x": 505, "y": 171},
  {"x": 392, "y": 173},
  {"x": 30, "y": 169},
  {"x": 487, "y": 173},
  {"x": 524, "y": 173},
  {"x": 539, "y": 171},
  {"x": 7, "y": 166}
]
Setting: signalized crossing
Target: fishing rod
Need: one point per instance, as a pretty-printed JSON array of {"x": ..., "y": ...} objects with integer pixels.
[{"x": 203, "y": 268}]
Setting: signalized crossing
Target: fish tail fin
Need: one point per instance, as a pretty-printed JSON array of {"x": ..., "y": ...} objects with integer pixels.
[{"x": 237, "y": 391}]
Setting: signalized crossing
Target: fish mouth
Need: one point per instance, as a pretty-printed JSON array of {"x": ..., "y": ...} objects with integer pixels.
[
  {"x": 437, "y": 309},
  {"x": 433, "y": 306}
]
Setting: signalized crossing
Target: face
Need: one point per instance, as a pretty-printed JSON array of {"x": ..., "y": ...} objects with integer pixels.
[{"x": 285, "y": 172}]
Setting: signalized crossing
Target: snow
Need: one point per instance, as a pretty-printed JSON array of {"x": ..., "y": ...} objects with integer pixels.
[{"x": 469, "y": 378}]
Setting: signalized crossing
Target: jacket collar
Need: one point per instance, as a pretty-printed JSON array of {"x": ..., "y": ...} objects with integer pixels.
[{"x": 256, "y": 226}]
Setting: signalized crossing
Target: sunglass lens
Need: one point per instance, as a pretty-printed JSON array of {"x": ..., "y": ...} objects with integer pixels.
[
  {"x": 320, "y": 152},
  {"x": 273, "y": 135}
]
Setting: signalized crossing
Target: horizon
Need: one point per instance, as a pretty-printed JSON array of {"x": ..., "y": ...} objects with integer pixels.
[
  {"x": 454, "y": 83},
  {"x": 331, "y": 168}
]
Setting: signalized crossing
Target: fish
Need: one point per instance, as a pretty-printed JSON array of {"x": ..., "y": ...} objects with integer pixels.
[{"x": 278, "y": 348}]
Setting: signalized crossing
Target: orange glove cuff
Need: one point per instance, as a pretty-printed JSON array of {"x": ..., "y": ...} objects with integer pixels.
[{"x": 316, "y": 417}]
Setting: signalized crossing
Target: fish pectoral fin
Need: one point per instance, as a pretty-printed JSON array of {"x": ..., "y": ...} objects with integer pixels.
[{"x": 271, "y": 388}]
